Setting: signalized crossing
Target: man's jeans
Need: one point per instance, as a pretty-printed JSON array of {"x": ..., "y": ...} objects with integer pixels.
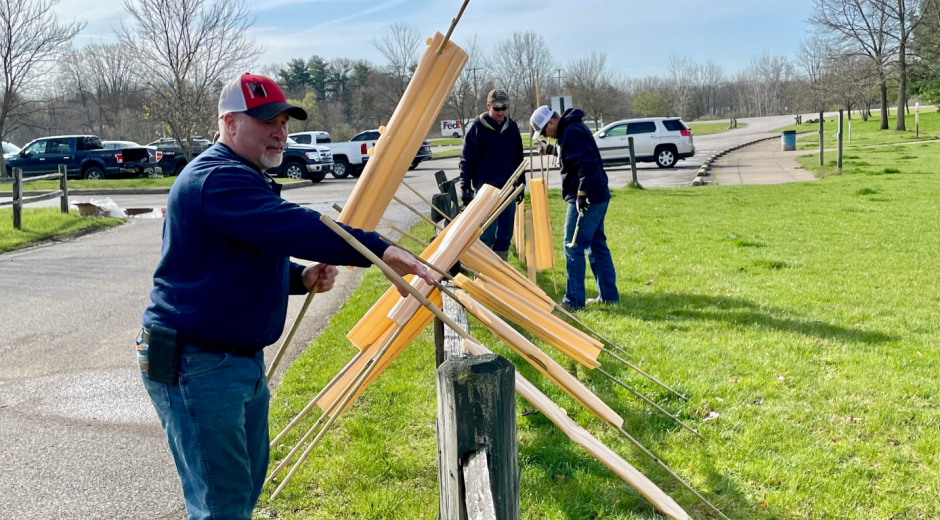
[
  {"x": 216, "y": 423},
  {"x": 499, "y": 235},
  {"x": 590, "y": 238}
]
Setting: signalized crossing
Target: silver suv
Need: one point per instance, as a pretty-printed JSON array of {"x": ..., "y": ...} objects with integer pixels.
[{"x": 663, "y": 140}]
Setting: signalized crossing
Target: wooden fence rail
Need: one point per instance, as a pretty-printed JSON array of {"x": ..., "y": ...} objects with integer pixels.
[{"x": 18, "y": 200}]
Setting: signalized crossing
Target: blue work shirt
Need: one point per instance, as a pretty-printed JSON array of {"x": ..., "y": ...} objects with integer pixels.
[{"x": 225, "y": 271}]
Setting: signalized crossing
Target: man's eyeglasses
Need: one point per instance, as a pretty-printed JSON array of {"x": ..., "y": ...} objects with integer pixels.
[{"x": 500, "y": 109}]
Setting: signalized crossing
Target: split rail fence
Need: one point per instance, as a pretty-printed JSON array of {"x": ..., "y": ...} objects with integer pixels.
[{"x": 19, "y": 201}]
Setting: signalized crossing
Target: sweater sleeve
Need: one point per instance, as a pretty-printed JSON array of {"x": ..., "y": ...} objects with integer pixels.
[
  {"x": 296, "y": 279},
  {"x": 240, "y": 205},
  {"x": 468, "y": 160}
]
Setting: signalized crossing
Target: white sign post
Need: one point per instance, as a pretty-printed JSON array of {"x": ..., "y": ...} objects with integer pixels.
[{"x": 917, "y": 120}]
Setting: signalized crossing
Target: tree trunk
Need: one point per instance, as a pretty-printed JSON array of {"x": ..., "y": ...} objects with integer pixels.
[
  {"x": 884, "y": 104},
  {"x": 902, "y": 84}
]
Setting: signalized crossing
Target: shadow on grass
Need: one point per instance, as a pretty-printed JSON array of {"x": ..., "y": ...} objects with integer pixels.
[{"x": 735, "y": 311}]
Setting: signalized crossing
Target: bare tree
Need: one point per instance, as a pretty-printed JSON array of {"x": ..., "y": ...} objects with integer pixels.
[
  {"x": 102, "y": 77},
  {"x": 592, "y": 84},
  {"x": 514, "y": 64},
  {"x": 31, "y": 40},
  {"x": 811, "y": 58},
  {"x": 906, "y": 17},
  {"x": 186, "y": 51},
  {"x": 682, "y": 72},
  {"x": 861, "y": 28},
  {"x": 468, "y": 92},
  {"x": 400, "y": 49}
]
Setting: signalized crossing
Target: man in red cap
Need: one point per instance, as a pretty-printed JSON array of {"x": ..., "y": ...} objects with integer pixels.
[{"x": 220, "y": 296}]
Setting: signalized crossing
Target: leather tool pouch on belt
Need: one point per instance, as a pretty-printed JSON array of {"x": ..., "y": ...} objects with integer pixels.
[{"x": 163, "y": 356}]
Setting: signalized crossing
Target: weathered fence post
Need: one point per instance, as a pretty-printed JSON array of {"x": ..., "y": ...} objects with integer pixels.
[
  {"x": 18, "y": 198},
  {"x": 636, "y": 184},
  {"x": 839, "y": 157},
  {"x": 63, "y": 185},
  {"x": 478, "y": 466},
  {"x": 822, "y": 121}
]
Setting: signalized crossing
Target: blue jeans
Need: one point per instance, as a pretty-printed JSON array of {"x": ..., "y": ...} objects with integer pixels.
[
  {"x": 499, "y": 235},
  {"x": 591, "y": 239},
  {"x": 216, "y": 423}
]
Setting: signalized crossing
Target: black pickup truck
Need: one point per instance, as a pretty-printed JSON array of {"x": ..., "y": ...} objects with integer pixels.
[
  {"x": 173, "y": 160},
  {"x": 84, "y": 157}
]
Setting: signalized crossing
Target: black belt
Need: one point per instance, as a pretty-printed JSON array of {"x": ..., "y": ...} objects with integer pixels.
[{"x": 201, "y": 344}]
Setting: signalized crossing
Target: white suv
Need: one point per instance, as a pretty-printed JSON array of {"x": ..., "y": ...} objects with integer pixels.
[{"x": 663, "y": 140}]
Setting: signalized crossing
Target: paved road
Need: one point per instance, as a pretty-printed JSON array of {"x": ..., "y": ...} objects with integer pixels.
[
  {"x": 80, "y": 439},
  {"x": 762, "y": 163}
]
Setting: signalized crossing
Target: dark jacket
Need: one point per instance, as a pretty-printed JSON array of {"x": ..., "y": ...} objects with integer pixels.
[
  {"x": 225, "y": 271},
  {"x": 491, "y": 153},
  {"x": 581, "y": 165}
]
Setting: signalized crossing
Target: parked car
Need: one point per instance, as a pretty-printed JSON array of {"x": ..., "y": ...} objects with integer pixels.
[
  {"x": 304, "y": 162},
  {"x": 155, "y": 155},
  {"x": 350, "y": 158},
  {"x": 173, "y": 160},
  {"x": 663, "y": 140},
  {"x": 84, "y": 156},
  {"x": 10, "y": 149}
]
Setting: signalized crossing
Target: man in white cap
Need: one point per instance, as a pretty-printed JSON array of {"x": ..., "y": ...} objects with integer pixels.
[
  {"x": 220, "y": 296},
  {"x": 584, "y": 188}
]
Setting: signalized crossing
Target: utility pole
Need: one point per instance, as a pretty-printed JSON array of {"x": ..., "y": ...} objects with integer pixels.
[{"x": 560, "y": 91}]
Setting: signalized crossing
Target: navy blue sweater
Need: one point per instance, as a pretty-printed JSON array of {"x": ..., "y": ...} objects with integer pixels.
[
  {"x": 225, "y": 273},
  {"x": 581, "y": 165},
  {"x": 491, "y": 153}
]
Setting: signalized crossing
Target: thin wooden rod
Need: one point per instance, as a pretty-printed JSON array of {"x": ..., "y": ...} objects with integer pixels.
[
  {"x": 621, "y": 349},
  {"x": 362, "y": 377},
  {"x": 672, "y": 473},
  {"x": 290, "y": 335},
  {"x": 453, "y": 25},
  {"x": 395, "y": 277},
  {"x": 502, "y": 207},
  {"x": 427, "y": 264},
  {"x": 508, "y": 187},
  {"x": 426, "y": 201},
  {"x": 408, "y": 235},
  {"x": 641, "y": 372},
  {"x": 416, "y": 212},
  {"x": 313, "y": 402},
  {"x": 649, "y": 401}
]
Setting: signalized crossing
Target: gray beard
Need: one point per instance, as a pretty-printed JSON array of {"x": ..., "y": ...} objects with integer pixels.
[{"x": 268, "y": 163}]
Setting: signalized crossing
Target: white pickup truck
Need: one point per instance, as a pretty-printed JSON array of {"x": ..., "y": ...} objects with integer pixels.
[{"x": 350, "y": 158}]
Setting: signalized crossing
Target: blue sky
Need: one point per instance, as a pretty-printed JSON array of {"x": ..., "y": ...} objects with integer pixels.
[{"x": 637, "y": 35}]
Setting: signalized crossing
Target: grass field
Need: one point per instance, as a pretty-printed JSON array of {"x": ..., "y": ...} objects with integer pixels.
[
  {"x": 43, "y": 224},
  {"x": 700, "y": 129},
  {"x": 802, "y": 318},
  {"x": 159, "y": 182},
  {"x": 866, "y": 133}
]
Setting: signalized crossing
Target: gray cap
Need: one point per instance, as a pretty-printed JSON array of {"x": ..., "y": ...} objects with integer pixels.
[{"x": 497, "y": 98}]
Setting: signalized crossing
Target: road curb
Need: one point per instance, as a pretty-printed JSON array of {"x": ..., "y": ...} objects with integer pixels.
[
  {"x": 705, "y": 169},
  {"x": 135, "y": 191}
]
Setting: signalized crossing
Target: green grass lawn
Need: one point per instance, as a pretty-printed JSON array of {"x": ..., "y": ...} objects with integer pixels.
[
  {"x": 712, "y": 128},
  {"x": 448, "y": 153},
  {"x": 866, "y": 133},
  {"x": 158, "y": 182},
  {"x": 805, "y": 315},
  {"x": 43, "y": 224},
  {"x": 446, "y": 142}
]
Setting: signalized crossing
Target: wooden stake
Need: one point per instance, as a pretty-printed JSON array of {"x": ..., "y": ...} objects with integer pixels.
[
  {"x": 453, "y": 25},
  {"x": 406, "y": 234},
  {"x": 290, "y": 335}
]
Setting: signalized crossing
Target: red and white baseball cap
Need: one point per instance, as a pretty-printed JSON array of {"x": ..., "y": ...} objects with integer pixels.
[{"x": 257, "y": 96}]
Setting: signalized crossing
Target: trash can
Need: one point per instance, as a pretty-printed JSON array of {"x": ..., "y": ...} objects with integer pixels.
[{"x": 789, "y": 140}]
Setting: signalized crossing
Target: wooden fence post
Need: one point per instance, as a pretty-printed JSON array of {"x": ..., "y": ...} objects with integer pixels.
[
  {"x": 822, "y": 122},
  {"x": 636, "y": 183},
  {"x": 839, "y": 157},
  {"x": 478, "y": 462},
  {"x": 17, "y": 198},
  {"x": 476, "y": 411},
  {"x": 64, "y": 186}
]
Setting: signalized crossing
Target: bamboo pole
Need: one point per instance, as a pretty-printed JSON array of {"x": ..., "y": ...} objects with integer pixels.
[
  {"x": 290, "y": 334},
  {"x": 416, "y": 212},
  {"x": 406, "y": 234},
  {"x": 360, "y": 379},
  {"x": 453, "y": 25},
  {"x": 426, "y": 201}
]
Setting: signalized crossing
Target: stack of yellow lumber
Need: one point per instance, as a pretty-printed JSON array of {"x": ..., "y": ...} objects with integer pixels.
[
  {"x": 542, "y": 232},
  {"x": 534, "y": 318},
  {"x": 417, "y": 111},
  {"x": 392, "y": 311}
]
